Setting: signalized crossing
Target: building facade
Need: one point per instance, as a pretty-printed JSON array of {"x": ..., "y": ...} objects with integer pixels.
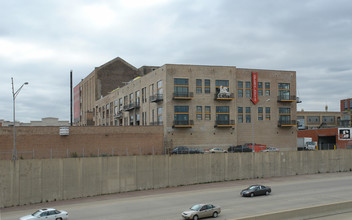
[
  {"x": 98, "y": 84},
  {"x": 207, "y": 106},
  {"x": 346, "y": 112},
  {"x": 318, "y": 119}
]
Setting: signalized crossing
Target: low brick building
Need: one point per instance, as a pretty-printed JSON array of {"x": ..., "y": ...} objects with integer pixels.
[{"x": 46, "y": 142}]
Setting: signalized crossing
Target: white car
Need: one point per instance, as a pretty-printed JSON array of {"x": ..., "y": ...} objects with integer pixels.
[
  {"x": 270, "y": 149},
  {"x": 201, "y": 211},
  {"x": 47, "y": 214},
  {"x": 217, "y": 150}
]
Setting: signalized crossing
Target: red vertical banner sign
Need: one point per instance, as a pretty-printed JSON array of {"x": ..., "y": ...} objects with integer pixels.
[{"x": 254, "y": 88}]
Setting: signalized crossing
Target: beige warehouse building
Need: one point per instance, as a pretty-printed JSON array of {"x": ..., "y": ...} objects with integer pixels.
[{"x": 205, "y": 106}]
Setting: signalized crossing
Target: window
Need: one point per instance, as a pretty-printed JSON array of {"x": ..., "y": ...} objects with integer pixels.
[
  {"x": 131, "y": 98},
  {"x": 207, "y": 115},
  {"x": 144, "y": 118},
  {"x": 159, "y": 87},
  {"x": 240, "y": 114},
  {"x": 222, "y": 115},
  {"x": 223, "y": 83},
  {"x": 285, "y": 115},
  {"x": 267, "y": 113},
  {"x": 207, "y": 86},
  {"x": 284, "y": 91},
  {"x": 313, "y": 120},
  {"x": 181, "y": 115},
  {"x": 267, "y": 88},
  {"x": 153, "y": 119},
  {"x": 329, "y": 119},
  {"x": 198, "y": 86},
  {"x": 160, "y": 116},
  {"x": 240, "y": 89},
  {"x": 248, "y": 115},
  {"x": 137, "y": 119},
  {"x": 144, "y": 99},
  {"x": 260, "y": 113},
  {"x": 248, "y": 89},
  {"x": 260, "y": 88},
  {"x": 199, "y": 112},
  {"x": 131, "y": 119},
  {"x": 120, "y": 104},
  {"x": 181, "y": 87},
  {"x": 137, "y": 98}
]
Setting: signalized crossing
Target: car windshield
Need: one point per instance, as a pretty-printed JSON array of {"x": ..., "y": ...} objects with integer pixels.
[
  {"x": 196, "y": 207},
  {"x": 252, "y": 187},
  {"x": 37, "y": 213}
]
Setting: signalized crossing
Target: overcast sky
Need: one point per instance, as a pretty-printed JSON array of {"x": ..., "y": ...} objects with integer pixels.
[{"x": 42, "y": 40}]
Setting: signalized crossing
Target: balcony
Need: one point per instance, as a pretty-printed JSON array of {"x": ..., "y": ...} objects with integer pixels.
[
  {"x": 224, "y": 96},
  {"x": 156, "y": 98},
  {"x": 287, "y": 123},
  {"x": 183, "y": 95},
  {"x": 287, "y": 98},
  {"x": 224, "y": 123},
  {"x": 183, "y": 124},
  {"x": 130, "y": 106},
  {"x": 119, "y": 114}
]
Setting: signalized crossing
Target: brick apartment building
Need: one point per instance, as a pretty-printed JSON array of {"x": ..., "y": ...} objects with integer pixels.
[{"x": 198, "y": 106}]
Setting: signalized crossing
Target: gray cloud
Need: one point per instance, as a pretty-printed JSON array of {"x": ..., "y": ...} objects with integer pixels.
[{"x": 42, "y": 41}]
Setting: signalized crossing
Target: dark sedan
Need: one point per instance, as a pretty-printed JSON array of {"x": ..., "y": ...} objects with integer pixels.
[
  {"x": 256, "y": 190},
  {"x": 239, "y": 148}
]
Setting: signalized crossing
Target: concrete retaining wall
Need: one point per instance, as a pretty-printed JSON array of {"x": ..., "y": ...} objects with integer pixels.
[{"x": 40, "y": 180}]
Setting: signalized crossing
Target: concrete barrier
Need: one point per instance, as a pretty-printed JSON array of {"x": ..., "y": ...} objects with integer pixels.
[
  {"x": 41, "y": 180},
  {"x": 306, "y": 213}
]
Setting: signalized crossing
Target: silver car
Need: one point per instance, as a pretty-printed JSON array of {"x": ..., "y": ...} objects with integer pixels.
[
  {"x": 202, "y": 211},
  {"x": 47, "y": 214}
]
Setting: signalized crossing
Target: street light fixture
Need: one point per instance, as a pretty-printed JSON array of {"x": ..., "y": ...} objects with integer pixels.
[{"x": 14, "y": 95}]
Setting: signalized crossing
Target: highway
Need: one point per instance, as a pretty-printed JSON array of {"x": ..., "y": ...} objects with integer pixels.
[{"x": 287, "y": 193}]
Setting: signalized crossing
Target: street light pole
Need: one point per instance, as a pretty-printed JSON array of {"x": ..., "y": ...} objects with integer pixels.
[{"x": 14, "y": 94}]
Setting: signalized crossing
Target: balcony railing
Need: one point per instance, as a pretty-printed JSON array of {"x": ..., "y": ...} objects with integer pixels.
[
  {"x": 156, "y": 98},
  {"x": 131, "y": 106},
  {"x": 183, "y": 95},
  {"x": 287, "y": 98},
  {"x": 118, "y": 114},
  {"x": 183, "y": 124},
  {"x": 224, "y": 96},
  {"x": 224, "y": 123},
  {"x": 287, "y": 123},
  {"x": 156, "y": 123}
]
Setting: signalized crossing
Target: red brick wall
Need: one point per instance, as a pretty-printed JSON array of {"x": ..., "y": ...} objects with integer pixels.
[{"x": 45, "y": 142}]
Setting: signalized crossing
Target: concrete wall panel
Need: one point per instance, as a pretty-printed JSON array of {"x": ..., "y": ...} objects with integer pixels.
[
  {"x": 160, "y": 171},
  {"x": 52, "y": 180},
  {"x": 128, "y": 178},
  {"x": 72, "y": 178},
  {"x": 144, "y": 172},
  {"x": 34, "y": 181},
  {"x": 30, "y": 186},
  {"x": 91, "y": 176},
  {"x": 204, "y": 168},
  {"x": 110, "y": 172}
]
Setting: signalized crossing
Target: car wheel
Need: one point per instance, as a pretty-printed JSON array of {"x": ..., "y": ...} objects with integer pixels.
[
  {"x": 267, "y": 193},
  {"x": 195, "y": 217},
  {"x": 59, "y": 219},
  {"x": 252, "y": 194},
  {"x": 215, "y": 214}
]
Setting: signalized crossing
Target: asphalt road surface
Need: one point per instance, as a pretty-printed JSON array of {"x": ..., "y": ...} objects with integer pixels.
[{"x": 287, "y": 193}]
